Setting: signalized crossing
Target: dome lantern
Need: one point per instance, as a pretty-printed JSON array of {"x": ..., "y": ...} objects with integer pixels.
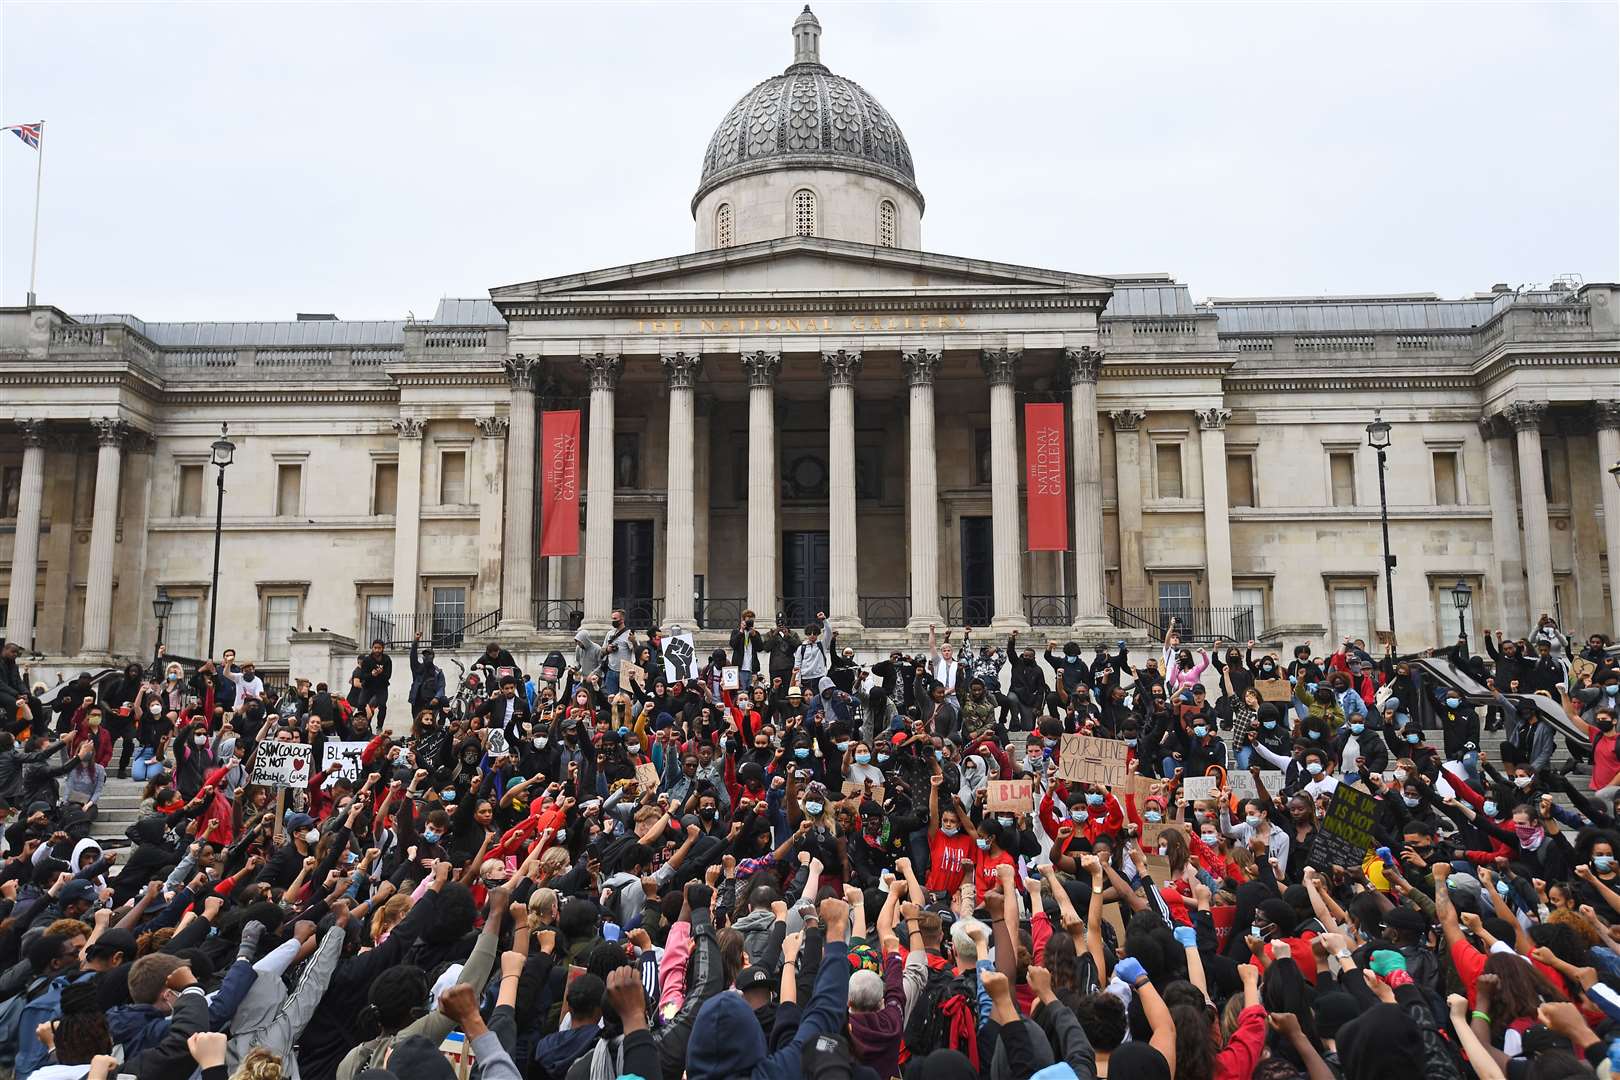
[{"x": 806, "y": 39}]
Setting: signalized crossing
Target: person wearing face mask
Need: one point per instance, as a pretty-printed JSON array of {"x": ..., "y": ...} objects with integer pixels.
[
  {"x": 1316, "y": 704},
  {"x": 193, "y": 758},
  {"x": 1359, "y": 749},
  {"x": 1255, "y": 824},
  {"x": 1605, "y": 743},
  {"x": 1599, "y": 875}
]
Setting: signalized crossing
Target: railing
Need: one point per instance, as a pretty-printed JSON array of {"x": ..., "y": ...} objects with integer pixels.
[
  {"x": 720, "y": 613},
  {"x": 1049, "y": 610},
  {"x": 885, "y": 612},
  {"x": 640, "y": 612},
  {"x": 801, "y": 611},
  {"x": 967, "y": 610},
  {"x": 440, "y": 631},
  {"x": 1193, "y": 624},
  {"x": 556, "y": 614}
]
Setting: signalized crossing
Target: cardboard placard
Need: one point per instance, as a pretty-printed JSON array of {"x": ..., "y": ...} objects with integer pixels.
[
  {"x": 1580, "y": 668},
  {"x": 1152, "y": 830},
  {"x": 731, "y": 678},
  {"x": 647, "y": 776},
  {"x": 282, "y": 765},
  {"x": 1158, "y": 867},
  {"x": 1241, "y": 783},
  {"x": 629, "y": 673},
  {"x": 1346, "y": 832},
  {"x": 1014, "y": 796},
  {"x": 1197, "y": 788},
  {"x": 1277, "y": 690},
  {"x": 856, "y": 789},
  {"x": 346, "y": 754},
  {"x": 1090, "y": 760}
]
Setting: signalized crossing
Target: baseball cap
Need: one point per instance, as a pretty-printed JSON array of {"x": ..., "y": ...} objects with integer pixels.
[
  {"x": 113, "y": 941},
  {"x": 753, "y": 978},
  {"x": 299, "y": 821},
  {"x": 76, "y": 890}
]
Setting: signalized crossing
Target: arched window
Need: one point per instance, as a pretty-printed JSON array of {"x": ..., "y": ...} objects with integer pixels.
[
  {"x": 722, "y": 226},
  {"x": 804, "y": 212},
  {"x": 886, "y": 224}
]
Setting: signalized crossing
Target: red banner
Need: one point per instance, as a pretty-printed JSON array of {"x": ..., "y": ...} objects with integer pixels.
[
  {"x": 559, "y": 483},
  {"x": 1046, "y": 477}
]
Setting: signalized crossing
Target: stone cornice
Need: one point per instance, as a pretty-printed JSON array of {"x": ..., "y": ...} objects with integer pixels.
[
  {"x": 254, "y": 396},
  {"x": 656, "y": 305},
  {"x": 1282, "y": 384},
  {"x": 1498, "y": 365}
]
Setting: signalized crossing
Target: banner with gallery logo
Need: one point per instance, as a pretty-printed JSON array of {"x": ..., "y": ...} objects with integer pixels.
[
  {"x": 1046, "y": 477},
  {"x": 559, "y": 482}
]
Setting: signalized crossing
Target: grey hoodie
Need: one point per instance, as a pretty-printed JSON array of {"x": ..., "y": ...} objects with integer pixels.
[{"x": 755, "y": 927}]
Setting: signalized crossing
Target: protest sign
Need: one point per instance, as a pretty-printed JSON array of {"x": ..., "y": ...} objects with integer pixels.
[
  {"x": 1346, "y": 833},
  {"x": 680, "y": 656},
  {"x": 1242, "y": 784},
  {"x": 282, "y": 765},
  {"x": 346, "y": 754},
  {"x": 1091, "y": 760},
  {"x": 731, "y": 678},
  {"x": 1580, "y": 668},
  {"x": 632, "y": 673},
  {"x": 497, "y": 743},
  {"x": 1278, "y": 690},
  {"x": 856, "y": 789},
  {"x": 1196, "y": 788},
  {"x": 1014, "y": 796},
  {"x": 647, "y": 776}
]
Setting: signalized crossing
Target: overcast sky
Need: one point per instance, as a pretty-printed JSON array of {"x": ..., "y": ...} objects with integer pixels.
[{"x": 231, "y": 161}]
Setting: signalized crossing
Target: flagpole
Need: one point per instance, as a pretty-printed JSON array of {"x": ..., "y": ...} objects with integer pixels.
[{"x": 39, "y": 175}]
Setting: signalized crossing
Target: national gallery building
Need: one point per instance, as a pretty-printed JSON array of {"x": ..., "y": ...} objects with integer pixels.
[{"x": 810, "y": 411}]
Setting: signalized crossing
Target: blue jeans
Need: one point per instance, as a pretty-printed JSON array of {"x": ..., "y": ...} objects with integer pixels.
[
  {"x": 1470, "y": 764},
  {"x": 1244, "y": 753},
  {"x": 1168, "y": 766},
  {"x": 745, "y": 679},
  {"x": 611, "y": 683},
  {"x": 147, "y": 764}
]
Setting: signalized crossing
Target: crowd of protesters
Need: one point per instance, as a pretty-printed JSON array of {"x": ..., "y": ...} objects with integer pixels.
[{"x": 785, "y": 863}]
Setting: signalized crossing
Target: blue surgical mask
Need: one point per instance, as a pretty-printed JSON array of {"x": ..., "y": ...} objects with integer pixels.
[
  {"x": 1253, "y": 821},
  {"x": 812, "y": 808},
  {"x": 1502, "y": 888},
  {"x": 431, "y": 836},
  {"x": 1317, "y": 735},
  {"x": 1453, "y": 702},
  {"x": 1268, "y": 724},
  {"x": 1314, "y": 768},
  {"x": 1490, "y": 807},
  {"x": 1310, "y": 688},
  {"x": 1612, "y": 690},
  {"x": 1200, "y": 730},
  {"x": 1414, "y": 738},
  {"x": 939, "y": 755},
  {"x": 1357, "y": 729},
  {"x": 1410, "y": 802},
  {"x": 1257, "y": 932},
  {"x": 842, "y": 746},
  {"x": 1603, "y": 863},
  {"x": 882, "y": 758},
  {"x": 862, "y": 759},
  {"x": 949, "y": 832},
  {"x": 984, "y": 845},
  {"x": 1131, "y": 743},
  {"x": 1152, "y": 816},
  {"x": 801, "y": 752},
  {"x": 1094, "y": 798},
  {"x": 448, "y": 794}
]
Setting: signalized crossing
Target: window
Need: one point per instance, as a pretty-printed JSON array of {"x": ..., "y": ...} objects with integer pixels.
[
  {"x": 1350, "y": 612},
  {"x": 1342, "y": 475},
  {"x": 722, "y": 226},
  {"x": 1251, "y": 624},
  {"x": 280, "y": 617},
  {"x": 385, "y": 488},
  {"x": 289, "y": 489},
  {"x": 1175, "y": 603},
  {"x": 180, "y": 632},
  {"x": 1445, "y": 610},
  {"x": 1445, "y": 477},
  {"x": 453, "y": 478},
  {"x": 189, "y": 501},
  {"x": 379, "y": 617},
  {"x": 1167, "y": 468},
  {"x": 10, "y": 490},
  {"x": 449, "y": 613},
  {"x": 804, "y": 212},
  {"x": 886, "y": 224},
  {"x": 1240, "y": 480}
]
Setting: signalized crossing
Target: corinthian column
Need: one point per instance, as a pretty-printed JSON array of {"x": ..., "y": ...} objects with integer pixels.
[
  {"x": 1090, "y": 587},
  {"x": 517, "y": 541},
  {"x": 1526, "y": 416},
  {"x": 1128, "y": 484},
  {"x": 491, "y": 505},
  {"x": 1608, "y": 447},
  {"x": 762, "y": 539},
  {"x": 681, "y": 369},
  {"x": 604, "y": 369},
  {"x": 1217, "y": 520},
  {"x": 844, "y": 587},
  {"x": 408, "y": 515},
  {"x": 110, "y": 433},
  {"x": 25, "y": 547},
  {"x": 1507, "y": 547},
  {"x": 921, "y": 367},
  {"x": 1001, "y": 369}
]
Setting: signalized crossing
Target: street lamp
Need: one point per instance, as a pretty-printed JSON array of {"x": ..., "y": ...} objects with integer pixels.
[
  {"x": 161, "y": 606},
  {"x": 1461, "y": 594},
  {"x": 1378, "y": 439},
  {"x": 220, "y": 455},
  {"x": 1614, "y": 471}
]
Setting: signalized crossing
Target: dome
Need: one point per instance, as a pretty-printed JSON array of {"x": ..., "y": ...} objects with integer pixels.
[{"x": 807, "y": 117}]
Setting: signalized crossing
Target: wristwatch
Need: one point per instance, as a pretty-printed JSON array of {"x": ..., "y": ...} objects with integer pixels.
[{"x": 1343, "y": 954}]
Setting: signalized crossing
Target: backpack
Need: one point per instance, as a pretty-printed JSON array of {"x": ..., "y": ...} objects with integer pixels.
[
  {"x": 30, "y": 1052},
  {"x": 11, "y": 1011},
  {"x": 944, "y": 1017}
]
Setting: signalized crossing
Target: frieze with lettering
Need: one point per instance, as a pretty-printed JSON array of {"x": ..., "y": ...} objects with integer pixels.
[{"x": 804, "y": 324}]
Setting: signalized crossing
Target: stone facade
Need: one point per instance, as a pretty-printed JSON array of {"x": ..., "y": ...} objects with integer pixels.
[{"x": 809, "y": 422}]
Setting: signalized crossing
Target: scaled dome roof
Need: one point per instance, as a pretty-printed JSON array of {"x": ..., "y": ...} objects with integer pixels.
[{"x": 807, "y": 117}]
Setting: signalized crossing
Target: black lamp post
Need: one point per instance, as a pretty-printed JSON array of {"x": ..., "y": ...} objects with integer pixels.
[
  {"x": 1614, "y": 471},
  {"x": 161, "y": 606},
  {"x": 1461, "y": 594},
  {"x": 1378, "y": 439},
  {"x": 220, "y": 455}
]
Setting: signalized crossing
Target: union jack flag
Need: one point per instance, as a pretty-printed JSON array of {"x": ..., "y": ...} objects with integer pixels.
[{"x": 28, "y": 133}]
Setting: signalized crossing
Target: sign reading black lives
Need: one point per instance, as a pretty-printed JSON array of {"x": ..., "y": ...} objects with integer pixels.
[{"x": 1346, "y": 833}]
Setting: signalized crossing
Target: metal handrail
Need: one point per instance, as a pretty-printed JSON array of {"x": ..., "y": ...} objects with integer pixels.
[{"x": 398, "y": 630}]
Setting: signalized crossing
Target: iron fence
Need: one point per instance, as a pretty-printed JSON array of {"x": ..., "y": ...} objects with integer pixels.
[
  {"x": 556, "y": 614},
  {"x": 801, "y": 611},
  {"x": 720, "y": 613},
  {"x": 1049, "y": 610},
  {"x": 640, "y": 612},
  {"x": 885, "y": 612},
  {"x": 967, "y": 610},
  {"x": 442, "y": 630},
  {"x": 1192, "y": 623}
]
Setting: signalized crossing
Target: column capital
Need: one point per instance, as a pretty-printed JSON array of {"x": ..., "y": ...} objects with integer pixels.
[
  {"x": 1606, "y": 414},
  {"x": 409, "y": 427},
  {"x": 682, "y": 368},
  {"x": 1214, "y": 419},
  {"x": 1084, "y": 364},
  {"x": 605, "y": 369},
  {"x": 492, "y": 427},
  {"x": 1525, "y": 415},
  {"x": 522, "y": 370},
  {"x": 1000, "y": 365},
  {"x": 761, "y": 367},
  {"x": 841, "y": 366},
  {"x": 33, "y": 431},
  {"x": 110, "y": 431},
  {"x": 921, "y": 366},
  {"x": 1127, "y": 419}
]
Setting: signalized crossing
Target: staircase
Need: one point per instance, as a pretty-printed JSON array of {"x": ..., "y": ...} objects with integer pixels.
[{"x": 119, "y": 809}]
